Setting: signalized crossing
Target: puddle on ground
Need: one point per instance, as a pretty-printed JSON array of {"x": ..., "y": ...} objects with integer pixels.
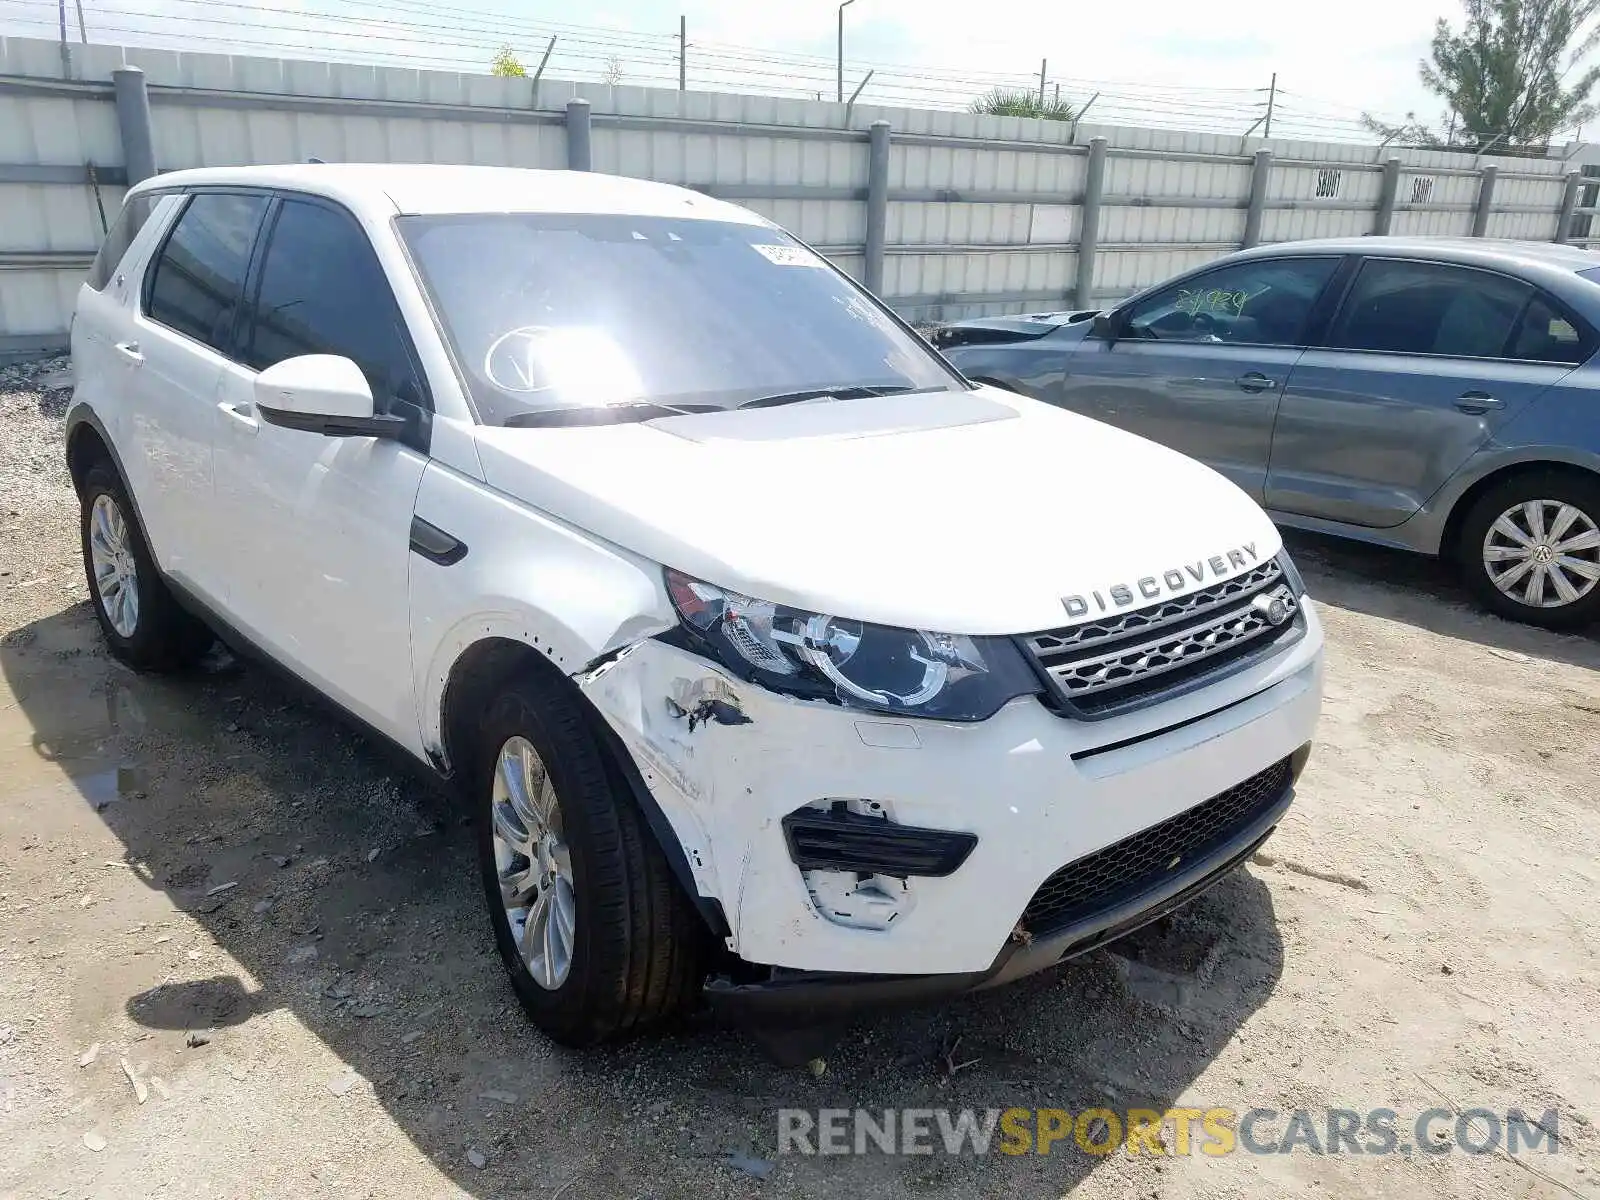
[
  {"x": 107, "y": 787},
  {"x": 70, "y": 715}
]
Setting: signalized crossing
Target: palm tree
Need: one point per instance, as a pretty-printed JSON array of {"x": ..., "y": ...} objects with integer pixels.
[{"x": 1005, "y": 102}]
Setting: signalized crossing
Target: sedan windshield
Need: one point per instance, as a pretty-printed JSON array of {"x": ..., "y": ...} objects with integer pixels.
[{"x": 557, "y": 318}]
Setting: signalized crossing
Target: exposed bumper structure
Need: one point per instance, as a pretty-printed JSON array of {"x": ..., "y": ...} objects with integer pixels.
[{"x": 727, "y": 762}]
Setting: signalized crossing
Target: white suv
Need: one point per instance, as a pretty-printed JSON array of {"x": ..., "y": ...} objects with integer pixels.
[{"x": 778, "y": 663}]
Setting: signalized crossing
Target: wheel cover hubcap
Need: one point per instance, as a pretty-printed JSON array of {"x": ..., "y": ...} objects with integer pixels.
[
  {"x": 533, "y": 863},
  {"x": 116, "y": 573},
  {"x": 1543, "y": 553}
]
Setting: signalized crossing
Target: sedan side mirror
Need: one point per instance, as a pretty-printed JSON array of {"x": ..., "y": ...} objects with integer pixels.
[
  {"x": 322, "y": 393},
  {"x": 1106, "y": 328}
]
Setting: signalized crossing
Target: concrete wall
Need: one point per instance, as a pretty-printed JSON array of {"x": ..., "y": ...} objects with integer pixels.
[{"x": 981, "y": 214}]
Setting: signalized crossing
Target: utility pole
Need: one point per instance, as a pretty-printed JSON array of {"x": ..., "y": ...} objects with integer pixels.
[
  {"x": 66, "y": 51},
  {"x": 1044, "y": 65},
  {"x": 683, "y": 53},
  {"x": 1058, "y": 94},
  {"x": 1272, "y": 99},
  {"x": 83, "y": 33},
  {"x": 839, "y": 90}
]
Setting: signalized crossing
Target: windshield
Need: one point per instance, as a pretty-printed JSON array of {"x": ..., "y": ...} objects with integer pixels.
[{"x": 561, "y": 314}]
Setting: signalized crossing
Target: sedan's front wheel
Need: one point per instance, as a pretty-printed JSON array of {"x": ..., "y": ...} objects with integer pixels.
[{"x": 1530, "y": 548}]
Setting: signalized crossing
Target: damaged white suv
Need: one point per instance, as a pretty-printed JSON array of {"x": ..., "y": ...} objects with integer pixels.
[{"x": 779, "y": 664}]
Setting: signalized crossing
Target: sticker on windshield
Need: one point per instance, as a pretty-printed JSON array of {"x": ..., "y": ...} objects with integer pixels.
[{"x": 787, "y": 256}]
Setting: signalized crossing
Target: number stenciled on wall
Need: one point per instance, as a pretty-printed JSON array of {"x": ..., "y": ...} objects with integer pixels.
[
  {"x": 1328, "y": 180},
  {"x": 1421, "y": 189}
]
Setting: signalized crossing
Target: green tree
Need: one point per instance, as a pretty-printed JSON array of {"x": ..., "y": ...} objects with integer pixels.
[
  {"x": 1506, "y": 76},
  {"x": 506, "y": 63},
  {"x": 1005, "y": 102}
]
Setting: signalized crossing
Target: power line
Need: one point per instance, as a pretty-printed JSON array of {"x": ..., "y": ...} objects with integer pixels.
[{"x": 471, "y": 35}]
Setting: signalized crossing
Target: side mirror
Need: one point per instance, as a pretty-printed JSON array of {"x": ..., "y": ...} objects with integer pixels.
[
  {"x": 1105, "y": 328},
  {"x": 322, "y": 393}
]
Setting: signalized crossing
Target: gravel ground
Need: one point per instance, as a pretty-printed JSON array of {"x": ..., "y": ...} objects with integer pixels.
[{"x": 242, "y": 953}]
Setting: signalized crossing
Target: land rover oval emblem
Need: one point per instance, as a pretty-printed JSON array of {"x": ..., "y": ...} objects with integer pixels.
[{"x": 1275, "y": 607}]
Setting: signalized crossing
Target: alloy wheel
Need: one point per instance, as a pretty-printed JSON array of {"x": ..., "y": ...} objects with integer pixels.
[
  {"x": 533, "y": 863},
  {"x": 116, "y": 572},
  {"x": 1543, "y": 553}
]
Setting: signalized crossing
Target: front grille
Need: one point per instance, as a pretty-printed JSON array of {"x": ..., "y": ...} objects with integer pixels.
[
  {"x": 1117, "y": 662},
  {"x": 1103, "y": 879}
]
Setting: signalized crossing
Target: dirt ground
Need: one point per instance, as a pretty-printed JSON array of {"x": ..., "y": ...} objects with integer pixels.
[{"x": 242, "y": 953}]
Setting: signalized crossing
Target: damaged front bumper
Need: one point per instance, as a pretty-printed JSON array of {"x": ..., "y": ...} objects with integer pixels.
[
  {"x": 809, "y": 997},
  {"x": 986, "y": 818}
]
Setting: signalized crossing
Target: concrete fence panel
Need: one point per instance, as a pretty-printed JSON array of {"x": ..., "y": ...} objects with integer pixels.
[{"x": 964, "y": 214}]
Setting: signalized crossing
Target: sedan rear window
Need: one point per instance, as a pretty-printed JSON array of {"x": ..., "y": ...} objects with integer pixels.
[
  {"x": 551, "y": 313},
  {"x": 1410, "y": 307}
]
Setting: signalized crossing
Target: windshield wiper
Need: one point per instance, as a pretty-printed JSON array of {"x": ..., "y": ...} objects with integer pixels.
[
  {"x": 852, "y": 392},
  {"x": 604, "y": 414}
]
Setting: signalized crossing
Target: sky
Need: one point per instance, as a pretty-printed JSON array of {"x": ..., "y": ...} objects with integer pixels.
[{"x": 1173, "y": 63}]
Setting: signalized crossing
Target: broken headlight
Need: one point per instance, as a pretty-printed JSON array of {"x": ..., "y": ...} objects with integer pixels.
[{"x": 911, "y": 672}]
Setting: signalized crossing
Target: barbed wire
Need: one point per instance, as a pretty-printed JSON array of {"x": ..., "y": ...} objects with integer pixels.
[{"x": 422, "y": 33}]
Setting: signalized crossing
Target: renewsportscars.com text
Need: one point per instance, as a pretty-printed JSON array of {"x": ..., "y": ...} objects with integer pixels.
[{"x": 1174, "y": 1131}]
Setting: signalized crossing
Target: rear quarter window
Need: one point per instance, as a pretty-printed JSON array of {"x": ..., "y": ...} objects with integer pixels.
[{"x": 135, "y": 212}]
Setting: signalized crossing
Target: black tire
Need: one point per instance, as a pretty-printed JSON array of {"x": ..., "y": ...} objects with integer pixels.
[
  {"x": 164, "y": 636},
  {"x": 1564, "y": 487},
  {"x": 638, "y": 944}
]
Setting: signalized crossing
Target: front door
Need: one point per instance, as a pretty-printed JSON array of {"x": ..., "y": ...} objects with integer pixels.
[
  {"x": 1200, "y": 366},
  {"x": 320, "y": 526},
  {"x": 1422, "y": 364}
]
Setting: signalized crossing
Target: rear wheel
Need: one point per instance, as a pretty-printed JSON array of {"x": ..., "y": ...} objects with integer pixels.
[
  {"x": 1530, "y": 548},
  {"x": 599, "y": 940},
  {"x": 143, "y": 624}
]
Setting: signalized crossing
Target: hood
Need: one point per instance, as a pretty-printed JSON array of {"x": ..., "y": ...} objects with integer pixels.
[
  {"x": 980, "y": 331},
  {"x": 974, "y": 512}
]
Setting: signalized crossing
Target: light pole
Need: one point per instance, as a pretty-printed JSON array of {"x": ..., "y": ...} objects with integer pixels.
[{"x": 840, "y": 89}]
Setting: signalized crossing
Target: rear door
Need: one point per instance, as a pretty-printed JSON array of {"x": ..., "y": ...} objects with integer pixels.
[
  {"x": 173, "y": 354},
  {"x": 1200, "y": 366},
  {"x": 1423, "y": 362}
]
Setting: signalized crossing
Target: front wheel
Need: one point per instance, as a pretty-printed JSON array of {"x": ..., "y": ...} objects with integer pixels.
[
  {"x": 1530, "y": 548},
  {"x": 599, "y": 940}
]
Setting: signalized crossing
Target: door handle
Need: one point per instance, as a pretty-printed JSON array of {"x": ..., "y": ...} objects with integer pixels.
[
  {"x": 240, "y": 418},
  {"x": 130, "y": 351},
  {"x": 1477, "y": 403},
  {"x": 1255, "y": 381}
]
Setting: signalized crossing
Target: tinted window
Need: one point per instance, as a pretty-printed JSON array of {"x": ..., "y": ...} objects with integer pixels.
[
  {"x": 1429, "y": 308},
  {"x": 135, "y": 212},
  {"x": 1544, "y": 335},
  {"x": 322, "y": 291},
  {"x": 1261, "y": 303},
  {"x": 553, "y": 314},
  {"x": 195, "y": 288}
]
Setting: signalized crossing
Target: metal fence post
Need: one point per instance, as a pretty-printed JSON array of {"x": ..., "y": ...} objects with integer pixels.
[
  {"x": 1569, "y": 201},
  {"x": 578, "y": 156},
  {"x": 1260, "y": 175},
  {"x": 1089, "y": 232},
  {"x": 1386, "y": 196},
  {"x": 1480, "y": 215},
  {"x": 877, "y": 205},
  {"x": 133, "y": 122}
]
